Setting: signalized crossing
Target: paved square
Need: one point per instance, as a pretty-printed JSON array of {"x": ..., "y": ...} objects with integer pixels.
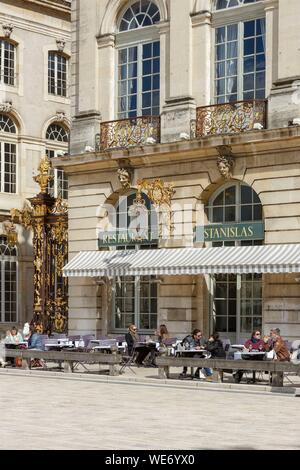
[{"x": 50, "y": 412}]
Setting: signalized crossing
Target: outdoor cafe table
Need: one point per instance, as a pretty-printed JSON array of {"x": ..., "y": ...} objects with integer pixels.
[
  {"x": 254, "y": 356},
  {"x": 192, "y": 352}
]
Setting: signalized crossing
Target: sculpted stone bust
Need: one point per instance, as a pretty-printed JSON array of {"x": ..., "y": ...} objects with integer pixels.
[
  {"x": 225, "y": 162},
  {"x": 124, "y": 178}
]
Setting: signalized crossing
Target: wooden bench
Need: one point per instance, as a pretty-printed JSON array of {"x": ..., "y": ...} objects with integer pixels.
[
  {"x": 69, "y": 358},
  {"x": 277, "y": 369}
]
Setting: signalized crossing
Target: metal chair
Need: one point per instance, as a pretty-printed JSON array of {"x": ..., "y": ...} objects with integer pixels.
[{"x": 128, "y": 360}]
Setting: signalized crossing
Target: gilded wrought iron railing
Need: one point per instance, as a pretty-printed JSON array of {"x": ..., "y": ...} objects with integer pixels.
[
  {"x": 131, "y": 132},
  {"x": 231, "y": 118}
]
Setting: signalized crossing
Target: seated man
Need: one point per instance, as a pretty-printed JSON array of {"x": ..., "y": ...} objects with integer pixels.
[
  {"x": 132, "y": 338},
  {"x": 195, "y": 341}
]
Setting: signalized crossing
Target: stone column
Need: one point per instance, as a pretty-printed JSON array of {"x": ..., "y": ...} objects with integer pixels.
[
  {"x": 202, "y": 57},
  {"x": 284, "y": 102},
  {"x": 86, "y": 113},
  {"x": 106, "y": 70},
  {"x": 180, "y": 106}
]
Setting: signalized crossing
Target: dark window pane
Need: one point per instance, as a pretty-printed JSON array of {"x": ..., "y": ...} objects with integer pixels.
[
  {"x": 147, "y": 51},
  {"x": 246, "y": 213},
  {"x": 218, "y": 214},
  {"x": 230, "y": 196},
  {"x": 147, "y": 83},
  {"x": 221, "y": 307},
  {"x": 249, "y": 29},
  {"x": 230, "y": 214},
  {"x": 246, "y": 195},
  {"x": 147, "y": 67},
  {"x": 257, "y": 213},
  {"x": 232, "y": 324},
  {"x": 249, "y": 82},
  {"x": 249, "y": 47},
  {"x": 221, "y": 324},
  {"x": 221, "y": 291}
]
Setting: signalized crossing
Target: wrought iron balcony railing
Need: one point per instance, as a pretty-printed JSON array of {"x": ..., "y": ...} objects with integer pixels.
[
  {"x": 131, "y": 132},
  {"x": 231, "y": 118}
]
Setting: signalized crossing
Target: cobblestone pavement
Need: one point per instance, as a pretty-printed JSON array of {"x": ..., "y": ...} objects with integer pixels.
[{"x": 50, "y": 412}]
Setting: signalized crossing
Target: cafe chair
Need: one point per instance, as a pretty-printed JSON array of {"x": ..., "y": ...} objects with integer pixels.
[{"x": 128, "y": 360}]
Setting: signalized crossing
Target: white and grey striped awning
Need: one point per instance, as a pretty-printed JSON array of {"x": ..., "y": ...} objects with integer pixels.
[{"x": 234, "y": 260}]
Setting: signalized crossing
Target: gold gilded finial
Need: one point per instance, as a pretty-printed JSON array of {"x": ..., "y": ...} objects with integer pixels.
[{"x": 43, "y": 178}]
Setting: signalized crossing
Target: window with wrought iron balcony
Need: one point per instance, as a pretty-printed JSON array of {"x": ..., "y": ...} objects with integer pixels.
[
  {"x": 138, "y": 80},
  {"x": 239, "y": 71}
]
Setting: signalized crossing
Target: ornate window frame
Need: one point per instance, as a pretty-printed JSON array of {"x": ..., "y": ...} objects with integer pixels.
[
  {"x": 8, "y": 255},
  {"x": 53, "y": 148},
  {"x": 227, "y": 17},
  {"x": 137, "y": 38},
  {"x": 10, "y": 139}
]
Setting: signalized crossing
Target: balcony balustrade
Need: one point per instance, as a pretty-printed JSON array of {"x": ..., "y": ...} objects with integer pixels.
[
  {"x": 125, "y": 133},
  {"x": 230, "y": 118}
]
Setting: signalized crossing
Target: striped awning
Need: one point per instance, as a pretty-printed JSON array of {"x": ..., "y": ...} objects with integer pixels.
[{"x": 233, "y": 260}]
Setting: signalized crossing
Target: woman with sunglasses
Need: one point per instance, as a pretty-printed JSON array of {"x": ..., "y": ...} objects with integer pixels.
[{"x": 254, "y": 344}]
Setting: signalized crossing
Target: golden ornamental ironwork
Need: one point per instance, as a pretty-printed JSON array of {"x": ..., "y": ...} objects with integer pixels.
[
  {"x": 47, "y": 217},
  {"x": 23, "y": 217},
  {"x": 60, "y": 207},
  {"x": 158, "y": 191},
  {"x": 10, "y": 231},
  {"x": 125, "y": 133},
  {"x": 44, "y": 177},
  {"x": 230, "y": 118}
]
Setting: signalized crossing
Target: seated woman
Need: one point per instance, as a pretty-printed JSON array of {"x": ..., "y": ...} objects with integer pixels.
[
  {"x": 12, "y": 340},
  {"x": 132, "y": 339},
  {"x": 13, "y": 336},
  {"x": 215, "y": 347},
  {"x": 254, "y": 344},
  {"x": 162, "y": 335}
]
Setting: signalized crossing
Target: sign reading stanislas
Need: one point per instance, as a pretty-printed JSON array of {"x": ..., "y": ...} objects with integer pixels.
[{"x": 230, "y": 232}]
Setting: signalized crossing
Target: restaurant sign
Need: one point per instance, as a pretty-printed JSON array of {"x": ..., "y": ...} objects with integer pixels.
[
  {"x": 230, "y": 232},
  {"x": 127, "y": 237}
]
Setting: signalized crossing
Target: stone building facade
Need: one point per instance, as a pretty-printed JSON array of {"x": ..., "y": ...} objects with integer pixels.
[
  {"x": 203, "y": 95},
  {"x": 34, "y": 119}
]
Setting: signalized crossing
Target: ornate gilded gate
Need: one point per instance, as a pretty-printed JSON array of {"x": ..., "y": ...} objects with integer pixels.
[{"x": 48, "y": 218}]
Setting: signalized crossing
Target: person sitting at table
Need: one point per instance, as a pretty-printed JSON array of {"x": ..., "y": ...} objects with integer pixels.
[
  {"x": 215, "y": 346},
  {"x": 13, "y": 336},
  {"x": 35, "y": 342},
  {"x": 279, "y": 346},
  {"x": 12, "y": 340},
  {"x": 162, "y": 334},
  {"x": 34, "y": 339},
  {"x": 132, "y": 339},
  {"x": 254, "y": 344},
  {"x": 195, "y": 341}
]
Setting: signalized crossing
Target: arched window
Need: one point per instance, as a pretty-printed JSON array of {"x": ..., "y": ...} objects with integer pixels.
[
  {"x": 8, "y": 155},
  {"x": 140, "y": 14},
  {"x": 135, "y": 298},
  {"x": 57, "y": 133},
  {"x": 240, "y": 54},
  {"x": 8, "y": 282},
  {"x": 236, "y": 307},
  {"x": 7, "y": 62},
  {"x": 57, "y": 144},
  {"x": 139, "y": 61},
  {"x": 222, "y": 4},
  {"x": 57, "y": 74}
]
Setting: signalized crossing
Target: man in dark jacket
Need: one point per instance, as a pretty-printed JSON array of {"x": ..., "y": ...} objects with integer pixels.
[{"x": 194, "y": 341}]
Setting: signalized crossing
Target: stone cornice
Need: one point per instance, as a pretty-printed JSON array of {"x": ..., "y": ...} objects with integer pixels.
[
  {"x": 200, "y": 19},
  {"x": 107, "y": 40},
  {"x": 271, "y": 4},
  {"x": 248, "y": 144},
  {"x": 36, "y": 27},
  {"x": 163, "y": 27}
]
